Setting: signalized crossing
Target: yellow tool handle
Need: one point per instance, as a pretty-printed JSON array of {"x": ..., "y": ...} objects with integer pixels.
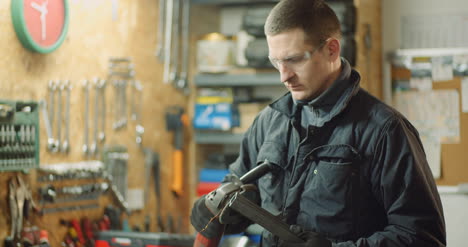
[{"x": 178, "y": 173}]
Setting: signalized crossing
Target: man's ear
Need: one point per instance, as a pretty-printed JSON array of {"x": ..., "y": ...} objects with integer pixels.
[{"x": 334, "y": 49}]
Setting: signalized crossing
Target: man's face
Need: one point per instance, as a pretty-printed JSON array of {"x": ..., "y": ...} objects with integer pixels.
[{"x": 305, "y": 70}]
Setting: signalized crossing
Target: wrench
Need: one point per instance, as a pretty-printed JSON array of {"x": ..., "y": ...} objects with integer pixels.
[
  {"x": 102, "y": 134},
  {"x": 123, "y": 120},
  {"x": 94, "y": 149},
  {"x": 167, "y": 41},
  {"x": 52, "y": 88},
  {"x": 13, "y": 209},
  {"x": 115, "y": 125},
  {"x": 175, "y": 43},
  {"x": 160, "y": 40},
  {"x": 182, "y": 83},
  {"x": 132, "y": 100},
  {"x": 60, "y": 88},
  {"x": 85, "y": 148},
  {"x": 50, "y": 140},
  {"x": 139, "y": 129},
  {"x": 66, "y": 142}
]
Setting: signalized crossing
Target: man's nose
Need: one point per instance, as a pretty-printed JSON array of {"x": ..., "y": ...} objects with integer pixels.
[{"x": 285, "y": 72}]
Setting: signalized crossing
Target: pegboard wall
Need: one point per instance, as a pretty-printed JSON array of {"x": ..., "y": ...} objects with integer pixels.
[{"x": 98, "y": 30}]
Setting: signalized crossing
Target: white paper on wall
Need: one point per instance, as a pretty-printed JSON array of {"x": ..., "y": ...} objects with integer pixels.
[
  {"x": 464, "y": 91},
  {"x": 436, "y": 116},
  {"x": 432, "y": 148},
  {"x": 442, "y": 68},
  {"x": 434, "y": 112}
]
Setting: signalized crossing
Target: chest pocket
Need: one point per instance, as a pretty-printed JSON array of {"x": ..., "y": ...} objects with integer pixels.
[{"x": 329, "y": 200}]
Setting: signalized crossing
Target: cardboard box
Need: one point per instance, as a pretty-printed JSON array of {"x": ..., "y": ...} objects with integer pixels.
[{"x": 247, "y": 114}]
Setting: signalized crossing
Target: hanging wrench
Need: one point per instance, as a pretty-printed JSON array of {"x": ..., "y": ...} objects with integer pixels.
[
  {"x": 60, "y": 88},
  {"x": 115, "y": 125},
  {"x": 51, "y": 109},
  {"x": 123, "y": 120},
  {"x": 182, "y": 83},
  {"x": 102, "y": 87},
  {"x": 66, "y": 142},
  {"x": 160, "y": 40},
  {"x": 50, "y": 140},
  {"x": 13, "y": 207},
  {"x": 85, "y": 148},
  {"x": 139, "y": 129},
  {"x": 94, "y": 149},
  {"x": 132, "y": 100},
  {"x": 167, "y": 41},
  {"x": 173, "y": 75}
]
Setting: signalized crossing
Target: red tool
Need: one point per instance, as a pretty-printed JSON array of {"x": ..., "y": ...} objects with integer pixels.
[
  {"x": 76, "y": 225},
  {"x": 87, "y": 228}
]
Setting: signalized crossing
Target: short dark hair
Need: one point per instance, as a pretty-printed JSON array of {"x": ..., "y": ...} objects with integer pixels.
[{"x": 314, "y": 17}]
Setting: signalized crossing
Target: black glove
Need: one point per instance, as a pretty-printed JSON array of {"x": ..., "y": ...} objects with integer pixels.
[
  {"x": 312, "y": 239},
  {"x": 202, "y": 218}
]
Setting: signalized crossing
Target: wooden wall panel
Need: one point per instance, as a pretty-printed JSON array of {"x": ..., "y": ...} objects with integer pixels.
[
  {"x": 369, "y": 55},
  {"x": 95, "y": 34}
]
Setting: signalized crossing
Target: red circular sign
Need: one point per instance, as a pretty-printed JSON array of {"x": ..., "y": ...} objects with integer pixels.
[{"x": 45, "y": 20}]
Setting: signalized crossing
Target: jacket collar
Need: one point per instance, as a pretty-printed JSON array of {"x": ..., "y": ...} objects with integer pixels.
[{"x": 327, "y": 105}]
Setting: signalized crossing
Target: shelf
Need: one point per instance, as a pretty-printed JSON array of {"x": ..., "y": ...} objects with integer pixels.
[
  {"x": 239, "y": 80},
  {"x": 217, "y": 138},
  {"x": 246, "y": 2},
  {"x": 232, "y": 2}
]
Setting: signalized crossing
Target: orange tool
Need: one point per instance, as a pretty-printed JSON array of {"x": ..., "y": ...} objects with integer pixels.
[{"x": 175, "y": 121}]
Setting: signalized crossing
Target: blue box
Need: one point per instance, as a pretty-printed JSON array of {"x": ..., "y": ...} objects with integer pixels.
[{"x": 221, "y": 116}]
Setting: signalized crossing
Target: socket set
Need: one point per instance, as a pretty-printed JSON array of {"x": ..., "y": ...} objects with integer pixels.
[{"x": 19, "y": 135}]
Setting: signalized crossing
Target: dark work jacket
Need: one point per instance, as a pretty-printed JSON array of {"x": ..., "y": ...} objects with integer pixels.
[{"x": 359, "y": 177}]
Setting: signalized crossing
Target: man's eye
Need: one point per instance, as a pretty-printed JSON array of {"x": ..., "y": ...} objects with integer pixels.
[{"x": 295, "y": 59}]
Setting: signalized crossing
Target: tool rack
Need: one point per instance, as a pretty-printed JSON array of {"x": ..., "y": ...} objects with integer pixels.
[{"x": 19, "y": 135}]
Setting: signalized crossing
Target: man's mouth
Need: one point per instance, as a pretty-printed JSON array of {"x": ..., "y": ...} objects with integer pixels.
[{"x": 293, "y": 86}]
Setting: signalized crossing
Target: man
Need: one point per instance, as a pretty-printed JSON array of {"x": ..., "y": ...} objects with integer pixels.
[{"x": 351, "y": 170}]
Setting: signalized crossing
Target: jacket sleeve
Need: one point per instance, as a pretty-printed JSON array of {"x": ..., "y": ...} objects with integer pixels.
[
  {"x": 249, "y": 148},
  {"x": 403, "y": 184}
]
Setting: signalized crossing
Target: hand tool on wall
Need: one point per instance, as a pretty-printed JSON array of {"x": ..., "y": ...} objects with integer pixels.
[
  {"x": 121, "y": 71},
  {"x": 70, "y": 208},
  {"x": 152, "y": 167},
  {"x": 85, "y": 148},
  {"x": 88, "y": 234},
  {"x": 116, "y": 160},
  {"x": 52, "y": 87},
  {"x": 58, "y": 139},
  {"x": 102, "y": 91},
  {"x": 50, "y": 140},
  {"x": 19, "y": 122},
  {"x": 229, "y": 197},
  {"x": 175, "y": 121},
  {"x": 174, "y": 70},
  {"x": 168, "y": 40},
  {"x": 66, "y": 142},
  {"x": 182, "y": 82},
  {"x": 160, "y": 40},
  {"x": 136, "y": 113},
  {"x": 76, "y": 225},
  {"x": 94, "y": 148},
  {"x": 89, "y": 191},
  {"x": 13, "y": 210}
]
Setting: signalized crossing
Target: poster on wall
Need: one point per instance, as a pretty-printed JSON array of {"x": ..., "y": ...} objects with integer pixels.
[{"x": 436, "y": 116}]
